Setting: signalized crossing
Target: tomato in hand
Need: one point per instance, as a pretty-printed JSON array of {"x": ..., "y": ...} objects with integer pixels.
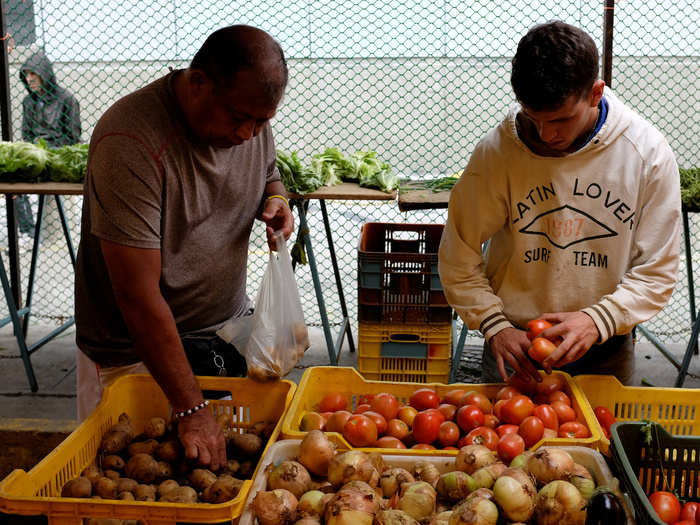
[
  {"x": 531, "y": 429},
  {"x": 385, "y": 404},
  {"x": 469, "y": 417},
  {"x": 573, "y": 429},
  {"x": 690, "y": 510},
  {"x": 605, "y": 418},
  {"x": 378, "y": 419},
  {"x": 482, "y": 436},
  {"x": 360, "y": 431},
  {"x": 548, "y": 416},
  {"x": 333, "y": 401},
  {"x": 540, "y": 349},
  {"x": 510, "y": 446},
  {"x": 535, "y": 327},
  {"x": 449, "y": 434},
  {"x": 423, "y": 399},
  {"x": 516, "y": 409},
  {"x": 426, "y": 426},
  {"x": 666, "y": 506}
]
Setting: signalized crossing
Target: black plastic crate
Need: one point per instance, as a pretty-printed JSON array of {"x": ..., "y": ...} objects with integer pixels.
[{"x": 670, "y": 463}]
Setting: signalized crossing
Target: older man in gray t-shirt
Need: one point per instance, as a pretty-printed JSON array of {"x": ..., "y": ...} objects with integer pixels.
[{"x": 177, "y": 173}]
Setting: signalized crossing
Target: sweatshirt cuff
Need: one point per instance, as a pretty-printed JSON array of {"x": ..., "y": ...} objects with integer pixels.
[
  {"x": 602, "y": 315},
  {"x": 492, "y": 324}
]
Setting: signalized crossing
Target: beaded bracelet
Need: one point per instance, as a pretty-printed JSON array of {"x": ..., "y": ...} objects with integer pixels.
[
  {"x": 278, "y": 197},
  {"x": 190, "y": 411}
]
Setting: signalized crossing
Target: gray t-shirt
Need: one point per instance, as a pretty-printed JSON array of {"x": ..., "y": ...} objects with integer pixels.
[{"x": 150, "y": 184}]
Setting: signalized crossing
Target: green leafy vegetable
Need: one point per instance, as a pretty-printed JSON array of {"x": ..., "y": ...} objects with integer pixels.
[
  {"x": 690, "y": 187},
  {"x": 22, "y": 161},
  {"x": 295, "y": 177},
  {"x": 437, "y": 185},
  {"x": 362, "y": 167},
  {"x": 67, "y": 163}
]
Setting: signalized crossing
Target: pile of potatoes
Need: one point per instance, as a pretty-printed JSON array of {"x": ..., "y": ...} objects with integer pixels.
[{"x": 152, "y": 466}]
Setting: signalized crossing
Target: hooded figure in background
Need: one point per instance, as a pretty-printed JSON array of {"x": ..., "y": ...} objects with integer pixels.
[{"x": 49, "y": 112}]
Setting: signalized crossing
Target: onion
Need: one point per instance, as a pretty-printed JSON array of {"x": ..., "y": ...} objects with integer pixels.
[
  {"x": 424, "y": 471},
  {"x": 455, "y": 485},
  {"x": 355, "y": 502},
  {"x": 581, "y": 478},
  {"x": 418, "y": 499},
  {"x": 481, "y": 493},
  {"x": 441, "y": 518},
  {"x": 391, "y": 479},
  {"x": 473, "y": 457},
  {"x": 393, "y": 517},
  {"x": 324, "y": 486},
  {"x": 514, "y": 498},
  {"x": 291, "y": 476},
  {"x": 351, "y": 465},
  {"x": 315, "y": 452},
  {"x": 485, "y": 476},
  {"x": 312, "y": 503},
  {"x": 581, "y": 471},
  {"x": 520, "y": 461},
  {"x": 522, "y": 477},
  {"x": 560, "y": 503},
  {"x": 275, "y": 507},
  {"x": 308, "y": 521},
  {"x": 549, "y": 464},
  {"x": 474, "y": 511}
]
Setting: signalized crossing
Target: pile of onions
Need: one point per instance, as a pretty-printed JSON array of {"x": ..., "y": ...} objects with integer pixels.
[
  {"x": 418, "y": 499},
  {"x": 549, "y": 464},
  {"x": 316, "y": 452},
  {"x": 455, "y": 485},
  {"x": 582, "y": 480},
  {"x": 355, "y": 503},
  {"x": 441, "y": 518},
  {"x": 560, "y": 503},
  {"x": 473, "y": 457},
  {"x": 391, "y": 479},
  {"x": 515, "y": 494},
  {"x": 486, "y": 476},
  {"x": 312, "y": 504},
  {"x": 352, "y": 465},
  {"x": 275, "y": 507},
  {"x": 427, "y": 472},
  {"x": 474, "y": 511},
  {"x": 291, "y": 476},
  {"x": 393, "y": 517}
]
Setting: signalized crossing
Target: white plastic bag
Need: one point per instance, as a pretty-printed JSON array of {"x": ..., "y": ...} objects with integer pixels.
[{"x": 278, "y": 337}]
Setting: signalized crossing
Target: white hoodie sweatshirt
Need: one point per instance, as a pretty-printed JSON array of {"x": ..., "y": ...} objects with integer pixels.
[{"x": 597, "y": 230}]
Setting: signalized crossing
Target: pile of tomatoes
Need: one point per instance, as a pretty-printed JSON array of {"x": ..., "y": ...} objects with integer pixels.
[
  {"x": 520, "y": 415},
  {"x": 671, "y": 511}
]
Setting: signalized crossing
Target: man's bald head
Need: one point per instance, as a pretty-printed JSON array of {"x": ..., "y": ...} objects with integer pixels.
[{"x": 236, "y": 48}]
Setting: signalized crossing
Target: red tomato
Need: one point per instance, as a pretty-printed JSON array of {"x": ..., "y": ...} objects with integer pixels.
[
  {"x": 606, "y": 419},
  {"x": 498, "y": 407},
  {"x": 386, "y": 405},
  {"x": 507, "y": 428},
  {"x": 449, "y": 434},
  {"x": 697, "y": 515},
  {"x": 360, "y": 431},
  {"x": 549, "y": 433},
  {"x": 509, "y": 446},
  {"x": 516, "y": 409},
  {"x": 453, "y": 397},
  {"x": 312, "y": 421},
  {"x": 337, "y": 421},
  {"x": 559, "y": 396},
  {"x": 564, "y": 412},
  {"x": 364, "y": 407},
  {"x": 397, "y": 428},
  {"x": 478, "y": 400},
  {"x": 535, "y": 327},
  {"x": 389, "y": 442},
  {"x": 685, "y": 522},
  {"x": 332, "y": 401},
  {"x": 423, "y": 446},
  {"x": 469, "y": 417},
  {"x": 540, "y": 349},
  {"x": 690, "y": 510},
  {"x": 448, "y": 411},
  {"x": 666, "y": 506},
  {"x": 423, "y": 399},
  {"x": 406, "y": 414},
  {"x": 482, "y": 436},
  {"x": 524, "y": 384},
  {"x": 426, "y": 426},
  {"x": 550, "y": 383},
  {"x": 490, "y": 421},
  {"x": 531, "y": 429},
  {"x": 548, "y": 416},
  {"x": 507, "y": 392},
  {"x": 365, "y": 399},
  {"x": 573, "y": 429},
  {"x": 378, "y": 420}
]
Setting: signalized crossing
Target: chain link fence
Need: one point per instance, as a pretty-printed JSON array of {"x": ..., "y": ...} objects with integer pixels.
[{"x": 420, "y": 82}]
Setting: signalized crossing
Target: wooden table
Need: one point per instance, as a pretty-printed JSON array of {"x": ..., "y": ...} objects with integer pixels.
[
  {"x": 19, "y": 316},
  {"x": 413, "y": 197},
  {"x": 347, "y": 191}
]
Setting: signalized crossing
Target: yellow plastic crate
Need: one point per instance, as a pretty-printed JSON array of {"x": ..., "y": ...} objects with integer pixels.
[
  {"x": 405, "y": 352},
  {"x": 675, "y": 409},
  {"x": 38, "y": 491},
  {"x": 319, "y": 380}
]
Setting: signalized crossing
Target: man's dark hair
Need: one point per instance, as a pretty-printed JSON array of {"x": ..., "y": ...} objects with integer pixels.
[
  {"x": 553, "y": 61},
  {"x": 237, "y": 48}
]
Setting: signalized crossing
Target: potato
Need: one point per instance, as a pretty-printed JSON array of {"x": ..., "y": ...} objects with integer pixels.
[
  {"x": 145, "y": 493},
  {"x": 166, "y": 486},
  {"x": 77, "y": 488},
  {"x": 224, "y": 421},
  {"x": 223, "y": 489},
  {"x": 244, "y": 445},
  {"x": 118, "y": 437},
  {"x": 126, "y": 496},
  {"x": 106, "y": 488},
  {"x": 155, "y": 427},
  {"x": 231, "y": 467},
  {"x": 142, "y": 467},
  {"x": 113, "y": 462},
  {"x": 112, "y": 474},
  {"x": 169, "y": 451},
  {"x": 201, "y": 478},
  {"x": 143, "y": 447},
  {"x": 126, "y": 485},
  {"x": 102, "y": 521},
  {"x": 180, "y": 495},
  {"x": 246, "y": 470},
  {"x": 165, "y": 471},
  {"x": 92, "y": 472}
]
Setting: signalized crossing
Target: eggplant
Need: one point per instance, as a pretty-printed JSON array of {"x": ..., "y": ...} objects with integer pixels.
[{"x": 605, "y": 509}]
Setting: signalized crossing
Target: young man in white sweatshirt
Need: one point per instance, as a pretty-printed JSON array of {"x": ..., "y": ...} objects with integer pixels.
[{"x": 579, "y": 198}]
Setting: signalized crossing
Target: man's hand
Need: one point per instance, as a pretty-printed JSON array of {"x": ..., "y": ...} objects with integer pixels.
[
  {"x": 203, "y": 439},
  {"x": 278, "y": 217},
  {"x": 510, "y": 346},
  {"x": 578, "y": 333}
]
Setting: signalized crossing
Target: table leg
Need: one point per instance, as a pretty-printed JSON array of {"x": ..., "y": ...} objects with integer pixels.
[
  {"x": 457, "y": 352},
  {"x": 15, "y": 278},
  {"x": 35, "y": 256},
  {"x": 680, "y": 379},
  {"x": 66, "y": 230},
  {"x": 689, "y": 271}
]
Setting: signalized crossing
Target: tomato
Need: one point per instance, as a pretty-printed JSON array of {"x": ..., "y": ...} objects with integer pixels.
[
  {"x": 450, "y": 448},
  {"x": 573, "y": 429},
  {"x": 564, "y": 412},
  {"x": 365, "y": 399},
  {"x": 507, "y": 428},
  {"x": 426, "y": 426},
  {"x": 469, "y": 417},
  {"x": 516, "y": 409},
  {"x": 423, "y": 446},
  {"x": 388, "y": 442},
  {"x": 510, "y": 446},
  {"x": 498, "y": 407},
  {"x": 449, "y": 434},
  {"x": 685, "y": 522},
  {"x": 507, "y": 392},
  {"x": 540, "y": 349},
  {"x": 690, "y": 510},
  {"x": 666, "y": 506},
  {"x": 378, "y": 420},
  {"x": 406, "y": 414},
  {"x": 548, "y": 416},
  {"x": 337, "y": 421},
  {"x": 385, "y": 404},
  {"x": 531, "y": 429},
  {"x": 332, "y": 401},
  {"x": 524, "y": 384},
  {"x": 364, "y": 407},
  {"x": 360, "y": 431},
  {"x": 490, "y": 421},
  {"x": 453, "y": 397},
  {"x": 549, "y": 433},
  {"x": 448, "y": 411},
  {"x": 478, "y": 400},
  {"x": 606, "y": 419},
  {"x": 423, "y": 399},
  {"x": 397, "y": 428},
  {"x": 312, "y": 421},
  {"x": 550, "y": 383},
  {"x": 697, "y": 515},
  {"x": 535, "y": 327},
  {"x": 482, "y": 436},
  {"x": 559, "y": 396}
]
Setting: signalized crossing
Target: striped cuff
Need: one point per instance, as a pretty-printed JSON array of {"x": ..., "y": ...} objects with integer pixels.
[
  {"x": 493, "y": 324},
  {"x": 603, "y": 319}
]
